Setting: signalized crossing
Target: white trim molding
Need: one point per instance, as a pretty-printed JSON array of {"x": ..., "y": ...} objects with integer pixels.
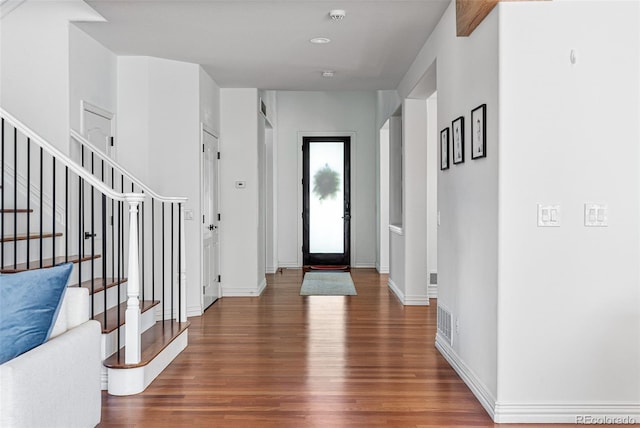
[
  {"x": 364, "y": 265},
  {"x": 432, "y": 291},
  {"x": 569, "y": 413},
  {"x": 255, "y": 291},
  {"x": 383, "y": 270},
  {"x": 289, "y": 265},
  {"x": 262, "y": 286},
  {"x": 407, "y": 300},
  {"x": 479, "y": 389},
  {"x": 542, "y": 413}
]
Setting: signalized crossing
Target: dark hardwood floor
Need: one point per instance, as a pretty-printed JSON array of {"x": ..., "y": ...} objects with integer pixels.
[{"x": 281, "y": 360}]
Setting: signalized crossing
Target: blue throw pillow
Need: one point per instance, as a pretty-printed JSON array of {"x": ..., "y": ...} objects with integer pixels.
[{"x": 29, "y": 305}]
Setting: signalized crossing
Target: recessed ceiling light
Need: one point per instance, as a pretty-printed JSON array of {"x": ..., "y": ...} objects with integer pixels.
[
  {"x": 320, "y": 40},
  {"x": 328, "y": 73},
  {"x": 337, "y": 14}
]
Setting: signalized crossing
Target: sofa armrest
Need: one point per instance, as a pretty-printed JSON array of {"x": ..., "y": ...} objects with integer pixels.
[{"x": 56, "y": 384}]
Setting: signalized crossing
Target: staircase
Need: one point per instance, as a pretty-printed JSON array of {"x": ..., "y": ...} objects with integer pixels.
[{"x": 126, "y": 242}]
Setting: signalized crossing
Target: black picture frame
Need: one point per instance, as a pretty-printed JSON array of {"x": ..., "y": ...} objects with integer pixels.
[
  {"x": 444, "y": 149},
  {"x": 479, "y": 132},
  {"x": 457, "y": 134}
]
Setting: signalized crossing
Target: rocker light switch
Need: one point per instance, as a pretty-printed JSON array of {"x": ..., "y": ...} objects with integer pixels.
[
  {"x": 548, "y": 215},
  {"x": 595, "y": 215}
]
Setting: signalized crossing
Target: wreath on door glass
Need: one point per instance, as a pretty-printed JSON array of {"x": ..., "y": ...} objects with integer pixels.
[{"x": 326, "y": 183}]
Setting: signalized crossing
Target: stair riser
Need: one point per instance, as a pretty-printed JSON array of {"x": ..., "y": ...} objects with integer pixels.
[
  {"x": 110, "y": 340},
  {"x": 34, "y": 249},
  {"x": 112, "y": 298}
]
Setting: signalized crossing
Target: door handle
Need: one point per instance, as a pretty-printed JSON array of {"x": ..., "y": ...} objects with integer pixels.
[
  {"x": 211, "y": 227},
  {"x": 347, "y": 217},
  {"x": 89, "y": 235}
]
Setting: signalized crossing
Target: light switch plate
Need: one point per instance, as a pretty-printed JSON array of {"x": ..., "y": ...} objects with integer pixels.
[
  {"x": 188, "y": 214},
  {"x": 596, "y": 215},
  {"x": 549, "y": 215}
]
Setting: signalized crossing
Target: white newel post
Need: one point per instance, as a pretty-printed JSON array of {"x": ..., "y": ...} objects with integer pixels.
[
  {"x": 183, "y": 269},
  {"x": 132, "y": 315}
]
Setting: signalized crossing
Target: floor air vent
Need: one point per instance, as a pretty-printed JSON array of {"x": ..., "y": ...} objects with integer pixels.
[{"x": 444, "y": 323}]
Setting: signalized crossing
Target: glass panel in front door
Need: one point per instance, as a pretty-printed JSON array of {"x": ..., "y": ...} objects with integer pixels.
[{"x": 326, "y": 197}]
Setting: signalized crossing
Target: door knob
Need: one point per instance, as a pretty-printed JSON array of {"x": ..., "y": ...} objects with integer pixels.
[{"x": 211, "y": 227}]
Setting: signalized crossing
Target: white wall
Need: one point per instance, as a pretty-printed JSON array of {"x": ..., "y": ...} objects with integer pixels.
[
  {"x": 209, "y": 101},
  {"x": 467, "y": 76},
  {"x": 35, "y": 63},
  {"x": 432, "y": 168},
  {"x": 396, "y": 263},
  {"x": 271, "y": 195},
  {"x": 239, "y": 225},
  {"x": 132, "y": 132},
  {"x": 300, "y": 112},
  {"x": 396, "y": 174},
  {"x": 161, "y": 105},
  {"x": 546, "y": 321},
  {"x": 382, "y": 260},
  {"x": 414, "y": 200},
  {"x": 569, "y": 296},
  {"x": 92, "y": 75}
]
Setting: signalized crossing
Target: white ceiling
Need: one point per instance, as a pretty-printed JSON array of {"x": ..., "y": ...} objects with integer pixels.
[{"x": 265, "y": 43}]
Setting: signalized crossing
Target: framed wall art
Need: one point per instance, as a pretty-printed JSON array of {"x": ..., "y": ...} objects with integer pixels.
[
  {"x": 457, "y": 131},
  {"x": 479, "y": 132},
  {"x": 444, "y": 149}
]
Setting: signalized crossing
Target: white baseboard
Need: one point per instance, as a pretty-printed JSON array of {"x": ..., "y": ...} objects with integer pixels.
[
  {"x": 552, "y": 413},
  {"x": 569, "y": 413},
  {"x": 262, "y": 286},
  {"x": 382, "y": 269},
  {"x": 399, "y": 294},
  {"x": 482, "y": 393},
  {"x": 412, "y": 300},
  {"x": 415, "y": 300},
  {"x": 194, "y": 311},
  {"x": 364, "y": 265},
  {"x": 232, "y": 291},
  {"x": 289, "y": 265},
  {"x": 271, "y": 269},
  {"x": 432, "y": 291}
]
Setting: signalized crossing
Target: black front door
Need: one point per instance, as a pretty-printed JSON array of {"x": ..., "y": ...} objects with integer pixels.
[{"x": 326, "y": 188}]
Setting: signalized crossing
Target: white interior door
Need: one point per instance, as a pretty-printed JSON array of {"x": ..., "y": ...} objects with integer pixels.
[
  {"x": 97, "y": 127},
  {"x": 210, "y": 242}
]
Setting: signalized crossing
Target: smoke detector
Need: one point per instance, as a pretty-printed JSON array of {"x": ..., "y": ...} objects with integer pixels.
[
  {"x": 337, "y": 14},
  {"x": 328, "y": 73}
]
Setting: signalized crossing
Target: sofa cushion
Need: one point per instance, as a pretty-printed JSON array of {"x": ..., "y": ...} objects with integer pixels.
[{"x": 29, "y": 305}]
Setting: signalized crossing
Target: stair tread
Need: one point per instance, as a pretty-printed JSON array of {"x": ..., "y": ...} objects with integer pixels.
[
  {"x": 112, "y": 315},
  {"x": 15, "y": 210},
  {"x": 46, "y": 263},
  {"x": 24, "y": 236},
  {"x": 98, "y": 284},
  {"x": 153, "y": 342}
]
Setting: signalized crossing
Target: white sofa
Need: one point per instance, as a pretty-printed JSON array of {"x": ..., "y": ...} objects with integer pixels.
[{"x": 56, "y": 384}]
